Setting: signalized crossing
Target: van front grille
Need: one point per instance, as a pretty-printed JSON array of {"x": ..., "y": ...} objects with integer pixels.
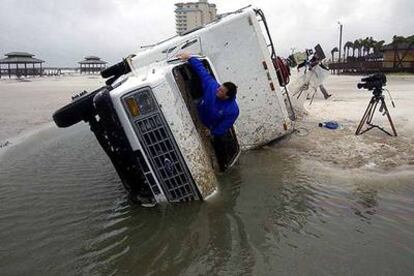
[{"x": 163, "y": 154}]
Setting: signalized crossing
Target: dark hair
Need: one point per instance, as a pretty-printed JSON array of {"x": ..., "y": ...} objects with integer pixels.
[{"x": 232, "y": 89}]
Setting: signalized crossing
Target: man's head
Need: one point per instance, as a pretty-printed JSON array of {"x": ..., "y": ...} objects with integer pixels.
[{"x": 227, "y": 90}]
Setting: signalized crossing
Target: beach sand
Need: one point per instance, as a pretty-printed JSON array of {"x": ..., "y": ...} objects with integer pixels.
[
  {"x": 372, "y": 150},
  {"x": 27, "y": 106}
]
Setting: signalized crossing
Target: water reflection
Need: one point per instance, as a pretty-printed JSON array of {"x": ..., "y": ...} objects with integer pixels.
[
  {"x": 276, "y": 201},
  {"x": 366, "y": 201},
  {"x": 192, "y": 238}
]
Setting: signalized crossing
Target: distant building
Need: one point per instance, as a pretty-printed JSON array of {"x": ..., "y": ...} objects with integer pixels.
[
  {"x": 92, "y": 64},
  {"x": 20, "y": 64},
  {"x": 192, "y": 15},
  {"x": 399, "y": 56}
]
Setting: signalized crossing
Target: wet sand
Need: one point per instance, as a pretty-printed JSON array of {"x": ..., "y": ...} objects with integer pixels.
[
  {"x": 373, "y": 149},
  {"x": 27, "y": 105}
]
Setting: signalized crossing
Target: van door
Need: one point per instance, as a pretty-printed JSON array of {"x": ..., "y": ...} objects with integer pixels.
[{"x": 224, "y": 150}]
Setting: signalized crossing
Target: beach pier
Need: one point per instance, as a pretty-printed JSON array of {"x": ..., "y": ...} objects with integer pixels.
[
  {"x": 14, "y": 59},
  {"x": 91, "y": 65}
]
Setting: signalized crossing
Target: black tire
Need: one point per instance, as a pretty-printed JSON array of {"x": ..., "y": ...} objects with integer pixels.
[{"x": 81, "y": 108}]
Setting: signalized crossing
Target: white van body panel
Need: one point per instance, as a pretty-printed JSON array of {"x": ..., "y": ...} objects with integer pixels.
[{"x": 236, "y": 47}]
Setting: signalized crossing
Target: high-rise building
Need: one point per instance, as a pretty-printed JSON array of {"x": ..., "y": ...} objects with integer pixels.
[{"x": 191, "y": 15}]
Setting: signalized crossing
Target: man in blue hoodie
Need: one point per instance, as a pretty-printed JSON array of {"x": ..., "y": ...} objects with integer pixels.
[{"x": 218, "y": 108}]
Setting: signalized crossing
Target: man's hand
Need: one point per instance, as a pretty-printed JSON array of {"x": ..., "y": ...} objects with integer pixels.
[{"x": 184, "y": 56}]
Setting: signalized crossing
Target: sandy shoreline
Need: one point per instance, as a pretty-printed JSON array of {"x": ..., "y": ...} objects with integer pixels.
[
  {"x": 373, "y": 150},
  {"x": 26, "y": 107}
]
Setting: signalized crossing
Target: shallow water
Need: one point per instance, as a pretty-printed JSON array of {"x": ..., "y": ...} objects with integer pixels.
[{"x": 63, "y": 211}]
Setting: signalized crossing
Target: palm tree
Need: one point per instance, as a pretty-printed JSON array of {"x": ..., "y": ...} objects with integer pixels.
[
  {"x": 333, "y": 51},
  {"x": 356, "y": 47},
  {"x": 378, "y": 46},
  {"x": 359, "y": 43},
  {"x": 371, "y": 43},
  {"x": 365, "y": 46},
  {"x": 351, "y": 46},
  {"x": 348, "y": 45},
  {"x": 397, "y": 39}
]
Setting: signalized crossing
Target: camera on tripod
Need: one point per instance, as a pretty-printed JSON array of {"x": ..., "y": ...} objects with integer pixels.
[
  {"x": 374, "y": 83},
  {"x": 309, "y": 52}
]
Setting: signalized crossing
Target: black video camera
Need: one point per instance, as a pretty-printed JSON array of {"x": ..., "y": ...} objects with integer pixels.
[
  {"x": 309, "y": 52},
  {"x": 374, "y": 82}
]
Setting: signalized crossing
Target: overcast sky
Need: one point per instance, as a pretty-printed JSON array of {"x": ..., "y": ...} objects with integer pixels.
[{"x": 63, "y": 32}]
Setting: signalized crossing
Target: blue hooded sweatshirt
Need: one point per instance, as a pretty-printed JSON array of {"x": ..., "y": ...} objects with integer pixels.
[{"x": 216, "y": 114}]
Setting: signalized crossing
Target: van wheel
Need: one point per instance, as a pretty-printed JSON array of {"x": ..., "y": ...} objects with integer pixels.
[{"x": 81, "y": 108}]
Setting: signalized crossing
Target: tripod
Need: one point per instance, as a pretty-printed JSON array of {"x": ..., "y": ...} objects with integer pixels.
[
  {"x": 369, "y": 114},
  {"x": 315, "y": 74}
]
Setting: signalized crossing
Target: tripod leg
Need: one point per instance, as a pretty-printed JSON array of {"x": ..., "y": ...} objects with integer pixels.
[
  {"x": 313, "y": 96},
  {"x": 371, "y": 115},
  {"x": 298, "y": 92},
  {"x": 389, "y": 117},
  {"x": 365, "y": 117}
]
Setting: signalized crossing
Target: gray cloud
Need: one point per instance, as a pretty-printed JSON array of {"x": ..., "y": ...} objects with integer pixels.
[{"x": 63, "y": 32}]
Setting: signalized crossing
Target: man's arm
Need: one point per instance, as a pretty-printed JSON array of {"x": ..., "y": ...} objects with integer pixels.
[
  {"x": 225, "y": 125},
  {"x": 200, "y": 70},
  {"x": 196, "y": 64}
]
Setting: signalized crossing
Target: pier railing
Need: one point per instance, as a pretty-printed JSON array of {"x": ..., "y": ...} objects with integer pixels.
[
  {"x": 45, "y": 71},
  {"x": 367, "y": 67}
]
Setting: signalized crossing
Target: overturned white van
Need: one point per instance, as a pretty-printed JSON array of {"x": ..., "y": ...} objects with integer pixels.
[{"x": 146, "y": 120}]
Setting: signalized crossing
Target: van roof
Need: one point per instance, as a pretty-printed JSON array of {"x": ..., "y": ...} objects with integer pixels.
[{"x": 223, "y": 18}]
